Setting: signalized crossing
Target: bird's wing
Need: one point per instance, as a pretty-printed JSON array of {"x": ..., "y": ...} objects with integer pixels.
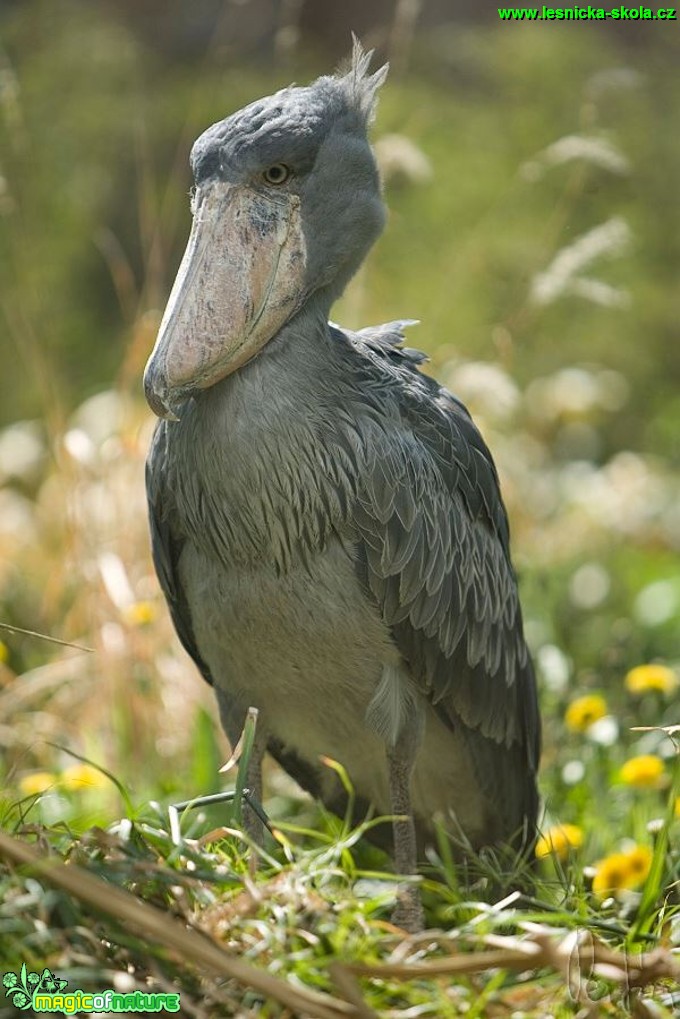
[
  {"x": 434, "y": 554},
  {"x": 166, "y": 548}
]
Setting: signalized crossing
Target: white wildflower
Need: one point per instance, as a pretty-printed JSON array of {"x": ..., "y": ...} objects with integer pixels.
[
  {"x": 486, "y": 388},
  {"x": 610, "y": 238},
  {"x": 400, "y": 159},
  {"x": 590, "y": 149}
]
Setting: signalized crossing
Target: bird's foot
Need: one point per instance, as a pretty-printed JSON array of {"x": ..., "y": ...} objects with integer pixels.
[{"x": 408, "y": 912}]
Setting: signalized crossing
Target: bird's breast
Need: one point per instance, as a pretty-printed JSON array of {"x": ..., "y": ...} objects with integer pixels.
[
  {"x": 305, "y": 647},
  {"x": 272, "y": 632},
  {"x": 309, "y": 650}
]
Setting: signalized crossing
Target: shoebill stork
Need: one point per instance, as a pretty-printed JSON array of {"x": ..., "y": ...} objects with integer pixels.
[{"x": 326, "y": 521}]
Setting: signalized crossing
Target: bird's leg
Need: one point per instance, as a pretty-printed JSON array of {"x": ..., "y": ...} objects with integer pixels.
[
  {"x": 252, "y": 824},
  {"x": 235, "y": 721},
  {"x": 408, "y": 912}
]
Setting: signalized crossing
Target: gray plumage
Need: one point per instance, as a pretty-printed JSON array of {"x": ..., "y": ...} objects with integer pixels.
[{"x": 326, "y": 520}]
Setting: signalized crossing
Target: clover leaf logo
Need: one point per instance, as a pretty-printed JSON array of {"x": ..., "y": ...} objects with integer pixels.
[{"x": 22, "y": 986}]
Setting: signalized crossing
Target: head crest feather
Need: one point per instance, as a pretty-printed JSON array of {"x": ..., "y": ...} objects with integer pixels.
[{"x": 360, "y": 86}]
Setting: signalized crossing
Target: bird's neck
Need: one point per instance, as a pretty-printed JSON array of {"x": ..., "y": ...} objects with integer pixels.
[{"x": 285, "y": 380}]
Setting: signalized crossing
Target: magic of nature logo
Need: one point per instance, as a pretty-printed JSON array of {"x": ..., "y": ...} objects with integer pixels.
[{"x": 46, "y": 992}]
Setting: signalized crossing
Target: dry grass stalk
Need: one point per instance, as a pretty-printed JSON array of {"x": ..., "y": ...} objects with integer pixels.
[{"x": 541, "y": 949}]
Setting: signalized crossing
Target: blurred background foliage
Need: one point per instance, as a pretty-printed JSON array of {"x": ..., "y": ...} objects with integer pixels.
[
  {"x": 100, "y": 103},
  {"x": 531, "y": 174}
]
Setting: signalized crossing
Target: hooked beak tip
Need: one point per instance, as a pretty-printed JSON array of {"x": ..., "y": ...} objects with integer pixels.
[{"x": 157, "y": 395}]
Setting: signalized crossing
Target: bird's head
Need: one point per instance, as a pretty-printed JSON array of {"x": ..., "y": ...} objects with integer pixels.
[{"x": 285, "y": 207}]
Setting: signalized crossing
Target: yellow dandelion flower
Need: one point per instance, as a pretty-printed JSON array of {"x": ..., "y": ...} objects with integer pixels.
[
  {"x": 644, "y": 678},
  {"x": 37, "y": 782},
  {"x": 643, "y": 772},
  {"x": 677, "y": 806},
  {"x": 82, "y": 776},
  {"x": 140, "y": 613},
  {"x": 582, "y": 712},
  {"x": 559, "y": 840},
  {"x": 639, "y": 863},
  {"x": 611, "y": 874},
  {"x": 4, "y": 652},
  {"x": 621, "y": 871}
]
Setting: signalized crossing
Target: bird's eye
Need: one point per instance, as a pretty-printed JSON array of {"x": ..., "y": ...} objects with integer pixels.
[{"x": 276, "y": 174}]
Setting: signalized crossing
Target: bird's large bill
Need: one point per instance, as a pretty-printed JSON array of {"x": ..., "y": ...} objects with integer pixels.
[{"x": 240, "y": 280}]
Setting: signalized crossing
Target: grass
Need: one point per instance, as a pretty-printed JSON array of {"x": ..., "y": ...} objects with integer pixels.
[
  {"x": 104, "y": 723},
  {"x": 308, "y": 931}
]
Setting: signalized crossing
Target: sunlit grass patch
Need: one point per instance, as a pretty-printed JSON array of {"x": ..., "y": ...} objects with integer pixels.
[{"x": 315, "y": 921}]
